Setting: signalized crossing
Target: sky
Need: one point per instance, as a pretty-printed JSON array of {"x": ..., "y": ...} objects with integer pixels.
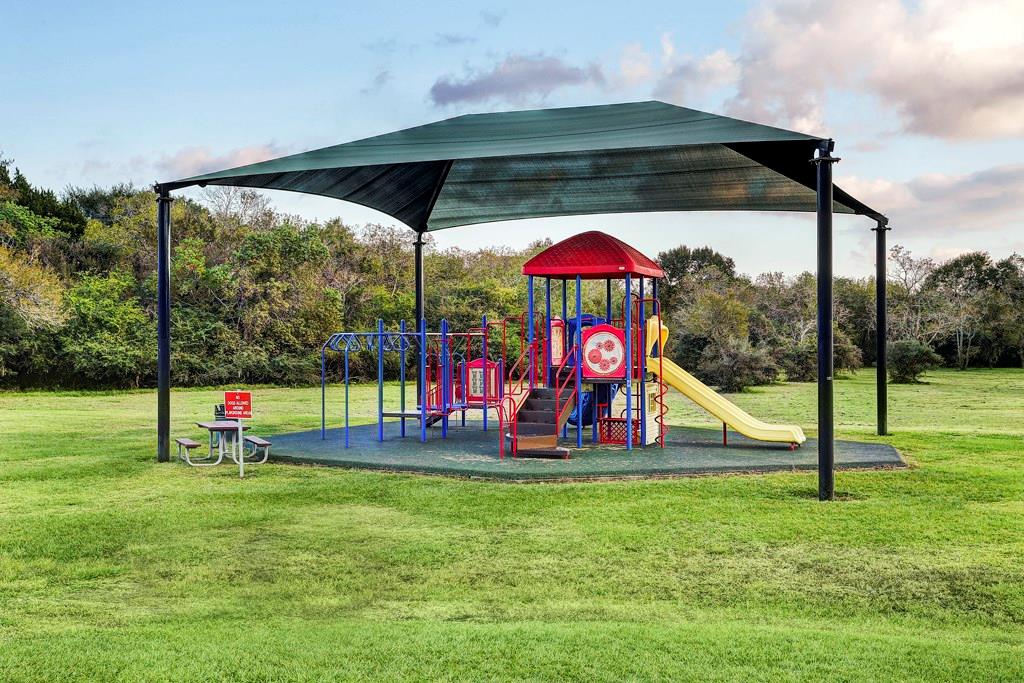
[{"x": 925, "y": 100}]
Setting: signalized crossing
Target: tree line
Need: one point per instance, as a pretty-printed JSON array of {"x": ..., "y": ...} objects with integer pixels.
[{"x": 256, "y": 293}]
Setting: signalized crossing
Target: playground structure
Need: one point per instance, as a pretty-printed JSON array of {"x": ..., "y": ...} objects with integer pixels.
[{"x": 557, "y": 376}]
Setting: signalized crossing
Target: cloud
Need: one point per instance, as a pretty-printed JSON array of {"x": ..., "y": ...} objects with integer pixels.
[
  {"x": 635, "y": 65},
  {"x": 516, "y": 79},
  {"x": 453, "y": 39},
  {"x": 683, "y": 77},
  {"x": 492, "y": 18},
  {"x": 949, "y": 69},
  {"x": 936, "y": 204},
  {"x": 190, "y": 161},
  {"x": 381, "y": 79}
]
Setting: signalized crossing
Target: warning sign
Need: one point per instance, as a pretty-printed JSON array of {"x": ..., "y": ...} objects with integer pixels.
[{"x": 238, "y": 404}]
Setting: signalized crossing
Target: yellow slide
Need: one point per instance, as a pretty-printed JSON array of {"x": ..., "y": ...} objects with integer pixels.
[{"x": 713, "y": 402}]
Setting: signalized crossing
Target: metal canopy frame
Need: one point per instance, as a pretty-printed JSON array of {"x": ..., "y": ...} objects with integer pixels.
[{"x": 412, "y": 170}]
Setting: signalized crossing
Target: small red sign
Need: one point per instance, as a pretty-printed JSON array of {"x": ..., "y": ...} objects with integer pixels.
[{"x": 238, "y": 404}]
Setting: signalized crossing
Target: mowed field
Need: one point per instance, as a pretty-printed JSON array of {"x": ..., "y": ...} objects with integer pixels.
[{"x": 115, "y": 568}]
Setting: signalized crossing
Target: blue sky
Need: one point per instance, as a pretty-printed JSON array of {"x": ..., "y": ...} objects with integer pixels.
[{"x": 924, "y": 99}]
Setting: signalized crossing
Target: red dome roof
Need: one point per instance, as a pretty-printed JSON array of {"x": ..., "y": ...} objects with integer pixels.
[{"x": 591, "y": 255}]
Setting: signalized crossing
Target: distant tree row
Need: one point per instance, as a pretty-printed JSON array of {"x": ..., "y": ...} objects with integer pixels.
[{"x": 257, "y": 292}]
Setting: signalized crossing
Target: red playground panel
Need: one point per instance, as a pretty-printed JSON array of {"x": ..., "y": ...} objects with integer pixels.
[{"x": 604, "y": 352}]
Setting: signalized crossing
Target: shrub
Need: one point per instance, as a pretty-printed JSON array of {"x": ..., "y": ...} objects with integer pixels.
[
  {"x": 909, "y": 359},
  {"x": 800, "y": 361},
  {"x": 734, "y": 365}
]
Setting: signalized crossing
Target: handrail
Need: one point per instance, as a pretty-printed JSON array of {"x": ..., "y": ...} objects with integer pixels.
[
  {"x": 507, "y": 415},
  {"x": 510, "y": 415},
  {"x": 570, "y": 353}
]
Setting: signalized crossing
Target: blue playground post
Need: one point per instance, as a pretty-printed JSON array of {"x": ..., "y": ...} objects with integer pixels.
[
  {"x": 463, "y": 372},
  {"x": 629, "y": 363},
  {"x": 380, "y": 379},
  {"x": 445, "y": 379},
  {"x": 608, "y": 300},
  {"x": 483, "y": 323},
  {"x": 347, "y": 342},
  {"x": 565, "y": 300},
  {"x": 579, "y": 356},
  {"x": 401, "y": 373},
  {"x": 323, "y": 390},
  {"x": 640, "y": 335},
  {"x": 424, "y": 389},
  {"x": 565, "y": 319},
  {"x": 529, "y": 328},
  {"x": 547, "y": 332}
]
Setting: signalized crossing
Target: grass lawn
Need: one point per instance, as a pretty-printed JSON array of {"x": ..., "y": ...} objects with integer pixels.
[{"x": 115, "y": 568}]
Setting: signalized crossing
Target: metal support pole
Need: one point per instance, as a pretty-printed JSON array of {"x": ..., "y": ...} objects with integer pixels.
[
  {"x": 347, "y": 342},
  {"x": 629, "y": 363},
  {"x": 642, "y": 362},
  {"x": 578, "y": 362},
  {"x": 323, "y": 392},
  {"x": 608, "y": 301},
  {"x": 446, "y": 379},
  {"x": 380, "y": 379},
  {"x": 530, "y": 331},
  {"x": 422, "y": 389},
  {"x": 401, "y": 373},
  {"x": 483, "y": 352},
  {"x": 881, "y": 328},
  {"x": 163, "y": 325},
  {"x": 565, "y": 297},
  {"x": 547, "y": 332},
  {"x": 565, "y": 323},
  {"x": 826, "y": 424},
  {"x": 419, "y": 308}
]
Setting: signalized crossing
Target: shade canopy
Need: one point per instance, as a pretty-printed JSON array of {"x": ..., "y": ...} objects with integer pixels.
[
  {"x": 591, "y": 255},
  {"x": 618, "y": 158}
]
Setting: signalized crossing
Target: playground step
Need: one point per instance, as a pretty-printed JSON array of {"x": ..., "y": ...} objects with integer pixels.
[
  {"x": 556, "y": 452},
  {"x": 535, "y": 428},
  {"x": 545, "y": 416},
  {"x": 536, "y": 441},
  {"x": 548, "y": 394}
]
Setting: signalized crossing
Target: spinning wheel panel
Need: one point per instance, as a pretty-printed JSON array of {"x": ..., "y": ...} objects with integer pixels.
[{"x": 604, "y": 352}]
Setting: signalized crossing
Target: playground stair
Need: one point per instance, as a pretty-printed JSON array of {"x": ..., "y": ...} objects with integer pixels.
[{"x": 537, "y": 432}]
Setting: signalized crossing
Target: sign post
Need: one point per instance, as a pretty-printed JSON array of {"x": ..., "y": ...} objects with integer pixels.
[{"x": 238, "y": 406}]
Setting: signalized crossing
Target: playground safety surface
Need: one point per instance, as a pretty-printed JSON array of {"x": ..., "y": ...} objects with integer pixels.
[{"x": 470, "y": 452}]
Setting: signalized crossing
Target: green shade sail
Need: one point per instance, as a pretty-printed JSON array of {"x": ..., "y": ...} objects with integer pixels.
[{"x": 617, "y": 158}]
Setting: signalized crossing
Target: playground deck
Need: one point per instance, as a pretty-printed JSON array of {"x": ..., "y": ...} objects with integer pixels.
[{"x": 470, "y": 452}]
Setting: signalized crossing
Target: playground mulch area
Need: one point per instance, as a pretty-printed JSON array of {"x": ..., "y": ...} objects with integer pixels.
[{"x": 468, "y": 451}]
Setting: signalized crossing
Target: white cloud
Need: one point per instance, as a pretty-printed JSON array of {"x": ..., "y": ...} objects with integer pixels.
[
  {"x": 190, "y": 161},
  {"x": 635, "y": 65},
  {"x": 948, "y": 68},
  {"x": 940, "y": 204},
  {"x": 684, "y": 77}
]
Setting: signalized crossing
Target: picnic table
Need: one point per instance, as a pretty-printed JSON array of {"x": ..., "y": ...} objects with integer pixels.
[{"x": 222, "y": 436}]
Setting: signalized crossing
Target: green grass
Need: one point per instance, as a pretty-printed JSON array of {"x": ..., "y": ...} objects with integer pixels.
[{"x": 115, "y": 568}]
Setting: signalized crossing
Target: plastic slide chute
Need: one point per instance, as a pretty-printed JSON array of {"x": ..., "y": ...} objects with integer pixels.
[{"x": 717, "y": 405}]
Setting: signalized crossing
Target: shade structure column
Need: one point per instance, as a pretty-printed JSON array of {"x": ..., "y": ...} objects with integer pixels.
[
  {"x": 881, "y": 328},
  {"x": 163, "y": 324},
  {"x": 826, "y": 424}
]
